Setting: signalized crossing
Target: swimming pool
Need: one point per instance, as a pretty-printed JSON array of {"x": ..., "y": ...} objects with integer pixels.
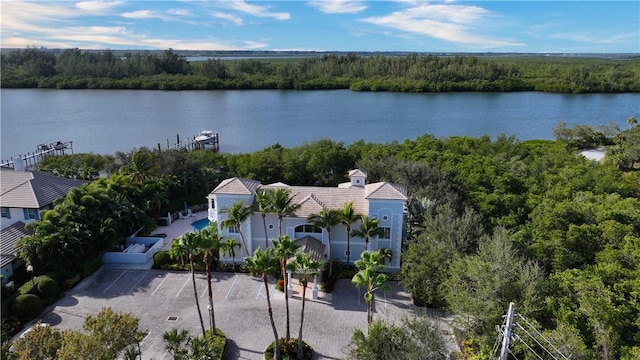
[{"x": 200, "y": 224}]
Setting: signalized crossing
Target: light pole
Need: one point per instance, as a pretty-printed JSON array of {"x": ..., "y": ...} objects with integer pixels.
[{"x": 30, "y": 271}]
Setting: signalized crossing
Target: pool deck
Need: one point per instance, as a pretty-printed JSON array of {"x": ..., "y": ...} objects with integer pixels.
[{"x": 177, "y": 228}]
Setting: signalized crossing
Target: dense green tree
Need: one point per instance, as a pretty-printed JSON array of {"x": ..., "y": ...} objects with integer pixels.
[{"x": 413, "y": 339}]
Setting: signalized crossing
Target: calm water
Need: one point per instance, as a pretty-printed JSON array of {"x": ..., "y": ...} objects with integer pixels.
[{"x": 106, "y": 121}]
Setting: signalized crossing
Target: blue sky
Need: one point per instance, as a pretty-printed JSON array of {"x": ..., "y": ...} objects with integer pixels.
[{"x": 326, "y": 25}]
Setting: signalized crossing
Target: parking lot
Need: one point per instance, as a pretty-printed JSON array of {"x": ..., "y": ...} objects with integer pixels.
[{"x": 163, "y": 300}]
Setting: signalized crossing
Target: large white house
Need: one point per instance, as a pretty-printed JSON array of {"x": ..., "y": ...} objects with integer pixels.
[{"x": 382, "y": 200}]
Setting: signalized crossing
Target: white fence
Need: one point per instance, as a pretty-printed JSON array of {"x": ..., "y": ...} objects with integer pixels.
[{"x": 151, "y": 246}]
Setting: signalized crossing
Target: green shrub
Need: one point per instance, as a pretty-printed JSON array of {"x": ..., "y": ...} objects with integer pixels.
[
  {"x": 161, "y": 258},
  {"x": 28, "y": 288},
  {"x": 218, "y": 343},
  {"x": 47, "y": 287},
  {"x": 26, "y": 307},
  {"x": 289, "y": 349}
]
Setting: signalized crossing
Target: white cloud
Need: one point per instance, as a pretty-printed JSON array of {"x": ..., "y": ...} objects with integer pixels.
[
  {"x": 455, "y": 23},
  {"x": 338, "y": 6},
  {"x": 237, "y": 20},
  {"x": 97, "y": 7},
  {"x": 179, "y": 12},
  {"x": 141, "y": 14},
  {"x": 255, "y": 10}
]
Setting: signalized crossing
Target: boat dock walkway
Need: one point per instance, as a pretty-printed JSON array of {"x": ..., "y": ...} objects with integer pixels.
[
  {"x": 192, "y": 144},
  {"x": 30, "y": 160}
]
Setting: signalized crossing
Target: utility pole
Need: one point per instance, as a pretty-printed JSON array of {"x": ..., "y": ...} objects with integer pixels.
[{"x": 507, "y": 332}]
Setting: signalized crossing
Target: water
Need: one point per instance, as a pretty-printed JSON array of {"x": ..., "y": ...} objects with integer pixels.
[
  {"x": 200, "y": 224},
  {"x": 106, "y": 121}
]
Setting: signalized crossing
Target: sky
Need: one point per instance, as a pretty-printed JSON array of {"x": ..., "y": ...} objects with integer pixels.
[{"x": 326, "y": 25}]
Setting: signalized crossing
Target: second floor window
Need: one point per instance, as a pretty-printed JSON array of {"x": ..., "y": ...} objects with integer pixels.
[
  {"x": 386, "y": 235},
  {"x": 234, "y": 230},
  {"x": 5, "y": 213}
]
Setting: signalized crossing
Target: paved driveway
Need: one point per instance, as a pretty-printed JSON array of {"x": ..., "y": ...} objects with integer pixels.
[{"x": 164, "y": 300}]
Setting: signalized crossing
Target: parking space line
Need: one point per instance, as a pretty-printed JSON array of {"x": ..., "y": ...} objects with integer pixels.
[
  {"x": 114, "y": 281},
  {"x": 137, "y": 282},
  {"x": 259, "y": 291},
  {"x": 272, "y": 291},
  {"x": 231, "y": 288},
  {"x": 183, "y": 285},
  {"x": 162, "y": 282},
  {"x": 204, "y": 291}
]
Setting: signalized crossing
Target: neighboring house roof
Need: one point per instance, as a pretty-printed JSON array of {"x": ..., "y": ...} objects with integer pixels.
[
  {"x": 10, "y": 237},
  {"x": 33, "y": 189},
  {"x": 236, "y": 186}
]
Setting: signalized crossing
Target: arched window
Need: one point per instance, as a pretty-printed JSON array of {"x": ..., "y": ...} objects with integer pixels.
[{"x": 307, "y": 228}]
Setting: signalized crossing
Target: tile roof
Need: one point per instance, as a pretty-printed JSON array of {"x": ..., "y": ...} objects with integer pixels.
[
  {"x": 10, "y": 236},
  {"x": 236, "y": 186},
  {"x": 33, "y": 189},
  {"x": 385, "y": 190},
  {"x": 314, "y": 198},
  {"x": 311, "y": 245}
]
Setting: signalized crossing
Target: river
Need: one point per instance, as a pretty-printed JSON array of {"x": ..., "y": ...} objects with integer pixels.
[{"x": 106, "y": 121}]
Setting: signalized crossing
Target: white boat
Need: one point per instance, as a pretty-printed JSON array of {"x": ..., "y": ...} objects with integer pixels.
[{"x": 205, "y": 136}]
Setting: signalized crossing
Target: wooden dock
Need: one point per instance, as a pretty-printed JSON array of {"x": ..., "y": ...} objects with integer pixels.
[
  {"x": 30, "y": 160},
  {"x": 192, "y": 144}
]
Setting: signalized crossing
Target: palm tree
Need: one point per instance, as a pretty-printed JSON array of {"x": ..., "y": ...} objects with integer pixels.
[
  {"x": 283, "y": 205},
  {"x": 210, "y": 243},
  {"x": 237, "y": 213},
  {"x": 174, "y": 340},
  {"x": 261, "y": 264},
  {"x": 192, "y": 244},
  {"x": 368, "y": 229},
  {"x": 307, "y": 268},
  {"x": 368, "y": 277},
  {"x": 326, "y": 219},
  {"x": 228, "y": 247},
  {"x": 264, "y": 199},
  {"x": 284, "y": 248},
  {"x": 348, "y": 216},
  {"x": 176, "y": 251}
]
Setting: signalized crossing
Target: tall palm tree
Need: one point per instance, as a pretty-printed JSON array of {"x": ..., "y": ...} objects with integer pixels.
[
  {"x": 326, "y": 219},
  {"x": 368, "y": 229},
  {"x": 237, "y": 213},
  {"x": 368, "y": 278},
  {"x": 261, "y": 264},
  {"x": 348, "y": 216},
  {"x": 210, "y": 242},
  {"x": 307, "y": 268},
  {"x": 192, "y": 244},
  {"x": 284, "y": 248},
  {"x": 264, "y": 199},
  {"x": 228, "y": 247},
  {"x": 283, "y": 205}
]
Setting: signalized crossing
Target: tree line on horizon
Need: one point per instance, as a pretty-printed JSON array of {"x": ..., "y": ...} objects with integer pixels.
[{"x": 78, "y": 69}]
